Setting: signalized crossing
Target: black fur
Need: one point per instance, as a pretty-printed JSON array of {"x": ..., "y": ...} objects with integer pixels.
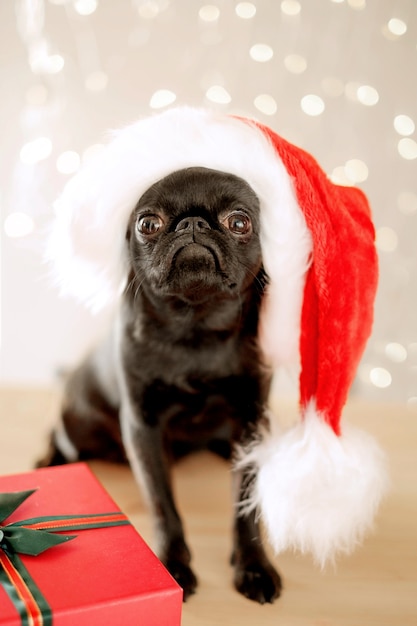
[{"x": 187, "y": 371}]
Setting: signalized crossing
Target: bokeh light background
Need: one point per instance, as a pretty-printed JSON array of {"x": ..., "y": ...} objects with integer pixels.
[{"x": 337, "y": 77}]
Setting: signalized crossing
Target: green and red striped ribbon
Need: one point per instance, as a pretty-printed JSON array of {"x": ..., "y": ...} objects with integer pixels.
[
  {"x": 34, "y": 536},
  {"x": 28, "y": 600}
]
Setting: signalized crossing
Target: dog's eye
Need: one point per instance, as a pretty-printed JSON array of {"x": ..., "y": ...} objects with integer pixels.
[
  {"x": 238, "y": 223},
  {"x": 149, "y": 224}
]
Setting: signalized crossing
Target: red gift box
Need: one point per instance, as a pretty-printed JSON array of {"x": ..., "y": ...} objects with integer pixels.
[{"x": 106, "y": 576}]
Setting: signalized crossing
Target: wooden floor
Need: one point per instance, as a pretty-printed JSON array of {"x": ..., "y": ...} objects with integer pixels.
[{"x": 376, "y": 586}]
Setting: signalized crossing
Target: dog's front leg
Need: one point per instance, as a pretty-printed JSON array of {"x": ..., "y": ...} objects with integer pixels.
[
  {"x": 254, "y": 577},
  {"x": 145, "y": 451}
]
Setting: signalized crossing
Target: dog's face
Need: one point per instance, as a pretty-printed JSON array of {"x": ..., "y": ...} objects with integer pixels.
[{"x": 194, "y": 235}]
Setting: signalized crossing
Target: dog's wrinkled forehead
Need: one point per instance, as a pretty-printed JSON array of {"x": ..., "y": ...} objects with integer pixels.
[{"x": 199, "y": 188}]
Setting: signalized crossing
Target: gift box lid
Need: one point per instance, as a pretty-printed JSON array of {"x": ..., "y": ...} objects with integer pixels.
[{"x": 105, "y": 576}]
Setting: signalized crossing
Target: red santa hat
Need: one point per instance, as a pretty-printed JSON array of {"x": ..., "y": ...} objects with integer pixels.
[{"x": 316, "y": 485}]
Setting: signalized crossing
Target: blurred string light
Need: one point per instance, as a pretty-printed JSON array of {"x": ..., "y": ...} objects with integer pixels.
[
  {"x": 354, "y": 171},
  {"x": 162, "y": 98},
  {"x": 396, "y": 352},
  {"x": 404, "y": 125},
  {"x": 290, "y": 7},
  {"x": 18, "y": 224},
  {"x": 358, "y": 5},
  {"x": 339, "y": 176},
  {"x": 218, "y": 95},
  {"x": 209, "y": 13},
  {"x": 380, "y": 377},
  {"x": 265, "y": 104},
  {"x": 149, "y": 9},
  {"x": 312, "y": 105},
  {"x": 397, "y": 27},
  {"x": 36, "y": 150},
  {"x": 367, "y": 95},
  {"x": 364, "y": 94},
  {"x": 295, "y": 63},
  {"x": 245, "y": 10},
  {"x": 394, "y": 29},
  {"x": 85, "y": 7},
  {"x": 43, "y": 63},
  {"x": 261, "y": 52},
  {"x": 407, "y": 148}
]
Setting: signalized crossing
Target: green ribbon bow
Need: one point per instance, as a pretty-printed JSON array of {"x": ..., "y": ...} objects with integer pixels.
[{"x": 15, "y": 538}]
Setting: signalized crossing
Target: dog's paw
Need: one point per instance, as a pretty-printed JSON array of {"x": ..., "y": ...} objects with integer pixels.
[
  {"x": 184, "y": 576},
  {"x": 259, "y": 582}
]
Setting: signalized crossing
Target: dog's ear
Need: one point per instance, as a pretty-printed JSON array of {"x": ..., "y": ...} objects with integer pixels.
[{"x": 129, "y": 230}]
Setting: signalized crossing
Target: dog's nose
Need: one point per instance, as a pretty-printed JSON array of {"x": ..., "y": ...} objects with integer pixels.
[{"x": 192, "y": 224}]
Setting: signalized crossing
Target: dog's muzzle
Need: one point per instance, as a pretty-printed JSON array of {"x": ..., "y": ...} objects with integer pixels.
[
  {"x": 195, "y": 254},
  {"x": 195, "y": 267}
]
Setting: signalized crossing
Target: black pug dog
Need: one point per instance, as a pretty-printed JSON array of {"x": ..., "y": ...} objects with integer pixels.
[{"x": 181, "y": 369}]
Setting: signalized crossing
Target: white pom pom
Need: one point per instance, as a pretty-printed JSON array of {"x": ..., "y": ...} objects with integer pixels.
[{"x": 316, "y": 492}]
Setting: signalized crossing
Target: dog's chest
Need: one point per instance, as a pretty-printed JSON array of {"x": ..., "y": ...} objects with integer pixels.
[
  {"x": 195, "y": 358},
  {"x": 199, "y": 405},
  {"x": 197, "y": 382}
]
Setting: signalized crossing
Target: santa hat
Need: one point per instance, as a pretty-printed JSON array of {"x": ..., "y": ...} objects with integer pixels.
[{"x": 316, "y": 485}]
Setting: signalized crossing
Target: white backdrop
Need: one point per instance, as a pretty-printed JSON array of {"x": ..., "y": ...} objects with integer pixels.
[{"x": 339, "y": 78}]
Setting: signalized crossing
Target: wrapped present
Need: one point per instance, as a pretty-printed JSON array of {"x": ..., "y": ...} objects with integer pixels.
[{"x": 68, "y": 556}]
